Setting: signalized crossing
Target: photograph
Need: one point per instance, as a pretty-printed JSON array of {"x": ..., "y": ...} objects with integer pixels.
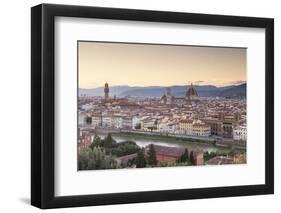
[{"x": 143, "y": 105}]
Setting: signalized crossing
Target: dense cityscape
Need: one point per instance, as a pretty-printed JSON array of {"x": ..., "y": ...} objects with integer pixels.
[{"x": 138, "y": 131}]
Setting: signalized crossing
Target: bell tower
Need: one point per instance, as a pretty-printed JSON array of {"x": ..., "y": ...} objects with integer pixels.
[{"x": 106, "y": 91}]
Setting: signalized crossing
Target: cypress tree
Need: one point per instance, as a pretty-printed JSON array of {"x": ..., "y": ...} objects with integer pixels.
[
  {"x": 96, "y": 142},
  {"x": 151, "y": 160},
  {"x": 191, "y": 157},
  {"x": 140, "y": 159},
  {"x": 109, "y": 141}
]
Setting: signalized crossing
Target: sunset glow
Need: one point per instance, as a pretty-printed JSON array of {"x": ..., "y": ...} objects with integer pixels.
[{"x": 158, "y": 65}]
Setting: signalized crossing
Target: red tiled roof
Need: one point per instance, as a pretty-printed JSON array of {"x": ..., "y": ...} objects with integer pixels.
[
  {"x": 168, "y": 151},
  {"x": 219, "y": 160}
]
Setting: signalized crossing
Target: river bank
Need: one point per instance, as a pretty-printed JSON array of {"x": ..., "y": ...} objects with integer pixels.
[
  {"x": 144, "y": 140},
  {"x": 166, "y": 138}
]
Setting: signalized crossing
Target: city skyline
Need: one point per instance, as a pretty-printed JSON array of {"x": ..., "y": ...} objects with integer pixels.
[
  {"x": 234, "y": 83},
  {"x": 148, "y": 123},
  {"x": 152, "y": 65}
]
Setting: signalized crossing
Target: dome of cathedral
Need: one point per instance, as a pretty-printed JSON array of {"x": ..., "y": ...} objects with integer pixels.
[{"x": 191, "y": 92}]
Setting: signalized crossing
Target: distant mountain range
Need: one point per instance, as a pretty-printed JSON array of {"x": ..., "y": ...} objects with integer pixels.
[{"x": 158, "y": 91}]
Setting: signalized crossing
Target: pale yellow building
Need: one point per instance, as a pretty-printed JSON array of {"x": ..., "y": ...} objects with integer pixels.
[
  {"x": 185, "y": 127},
  {"x": 201, "y": 129}
]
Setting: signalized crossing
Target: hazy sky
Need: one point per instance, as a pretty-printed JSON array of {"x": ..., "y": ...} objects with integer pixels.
[{"x": 158, "y": 65}]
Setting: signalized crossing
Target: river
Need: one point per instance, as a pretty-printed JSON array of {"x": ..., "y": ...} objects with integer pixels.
[{"x": 189, "y": 145}]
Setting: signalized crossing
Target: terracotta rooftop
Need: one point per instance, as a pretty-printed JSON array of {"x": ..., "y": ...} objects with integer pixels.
[
  {"x": 127, "y": 157},
  {"x": 168, "y": 151},
  {"x": 220, "y": 160}
]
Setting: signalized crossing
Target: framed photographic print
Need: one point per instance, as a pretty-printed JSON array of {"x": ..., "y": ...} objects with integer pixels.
[{"x": 139, "y": 106}]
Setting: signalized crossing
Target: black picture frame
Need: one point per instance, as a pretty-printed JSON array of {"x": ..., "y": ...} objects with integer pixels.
[{"x": 43, "y": 105}]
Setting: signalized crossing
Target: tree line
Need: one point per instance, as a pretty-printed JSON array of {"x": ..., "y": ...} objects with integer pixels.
[{"x": 102, "y": 154}]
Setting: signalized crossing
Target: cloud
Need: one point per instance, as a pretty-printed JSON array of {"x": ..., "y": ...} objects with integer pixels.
[{"x": 237, "y": 82}]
